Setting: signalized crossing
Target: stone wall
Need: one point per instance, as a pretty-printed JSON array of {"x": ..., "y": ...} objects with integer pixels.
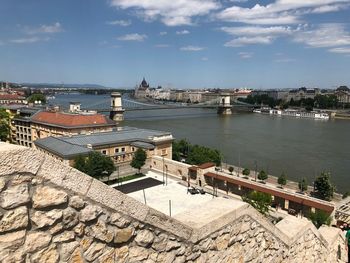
[
  {"x": 174, "y": 168},
  {"x": 53, "y": 213}
]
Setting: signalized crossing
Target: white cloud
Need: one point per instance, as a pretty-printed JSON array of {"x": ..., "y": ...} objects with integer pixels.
[
  {"x": 255, "y": 34},
  {"x": 242, "y": 41},
  {"x": 44, "y": 29},
  {"x": 119, "y": 23},
  {"x": 182, "y": 32},
  {"x": 162, "y": 45},
  {"x": 280, "y": 11},
  {"x": 29, "y": 40},
  {"x": 163, "y": 33},
  {"x": 340, "y": 50},
  {"x": 191, "y": 48},
  {"x": 246, "y": 55},
  {"x": 257, "y": 30},
  {"x": 325, "y": 35},
  {"x": 171, "y": 13},
  {"x": 133, "y": 37}
]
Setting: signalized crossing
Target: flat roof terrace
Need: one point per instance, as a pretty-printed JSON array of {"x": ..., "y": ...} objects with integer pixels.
[{"x": 196, "y": 210}]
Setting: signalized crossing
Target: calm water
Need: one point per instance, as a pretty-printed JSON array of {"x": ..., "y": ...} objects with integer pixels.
[{"x": 299, "y": 147}]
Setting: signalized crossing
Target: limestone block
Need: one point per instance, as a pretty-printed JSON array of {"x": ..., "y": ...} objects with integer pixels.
[
  {"x": 66, "y": 236},
  {"x": 43, "y": 219},
  {"x": 108, "y": 196},
  {"x": 14, "y": 196},
  {"x": 94, "y": 251},
  {"x": 56, "y": 228},
  {"x": 89, "y": 213},
  {"x": 36, "y": 241},
  {"x": 14, "y": 159},
  {"x": 14, "y": 219},
  {"x": 144, "y": 238},
  {"x": 118, "y": 220},
  {"x": 79, "y": 229},
  {"x": 160, "y": 242},
  {"x": 76, "y": 257},
  {"x": 46, "y": 196},
  {"x": 172, "y": 244},
  {"x": 2, "y": 184},
  {"x": 67, "y": 250},
  {"x": 46, "y": 255},
  {"x": 101, "y": 232},
  {"x": 70, "y": 218},
  {"x": 121, "y": 253},
  {"x": 76, "y": 181},
  {"x": 76, "y": 202},
  {"x": 107, "y": 256},
  {"x": 123, "y": 235},
  {"x": 12, "y": 240},
  {"x": 138, "y": 254}
]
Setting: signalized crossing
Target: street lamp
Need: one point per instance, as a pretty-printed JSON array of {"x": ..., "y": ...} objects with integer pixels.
[
  {"x": 163, "y": 169},
  {"x": 256, "y": 168}
]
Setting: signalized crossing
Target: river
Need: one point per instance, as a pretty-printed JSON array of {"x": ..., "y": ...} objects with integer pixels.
[{"x": 297, "y": 147}]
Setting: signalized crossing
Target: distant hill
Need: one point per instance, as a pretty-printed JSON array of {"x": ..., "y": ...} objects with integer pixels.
[{"x": 65, "y": 85}]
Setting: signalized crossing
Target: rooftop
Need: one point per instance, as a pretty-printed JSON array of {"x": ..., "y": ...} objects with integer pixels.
[
  {"x": 70, "y": 146},
  {"x": 69, "y": 120}
]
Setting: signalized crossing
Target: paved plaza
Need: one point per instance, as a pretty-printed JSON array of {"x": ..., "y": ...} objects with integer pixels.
[{"x": 158, "y": 197}]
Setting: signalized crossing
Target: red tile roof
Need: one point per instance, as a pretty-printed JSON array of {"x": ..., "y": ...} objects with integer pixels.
[
  {"x": 206, "y": 165},
  {"x": 11, "y": 97},
  {"x": 71, "y": 120}
]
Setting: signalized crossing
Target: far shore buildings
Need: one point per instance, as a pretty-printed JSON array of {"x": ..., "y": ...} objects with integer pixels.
[{"x": 119, "y": 144}]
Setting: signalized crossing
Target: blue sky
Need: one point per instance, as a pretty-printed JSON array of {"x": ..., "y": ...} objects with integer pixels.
[{"x": 177, "y": 43}]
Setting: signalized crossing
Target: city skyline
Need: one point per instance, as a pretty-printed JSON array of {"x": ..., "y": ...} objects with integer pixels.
[{"x": 181, "y": 44}]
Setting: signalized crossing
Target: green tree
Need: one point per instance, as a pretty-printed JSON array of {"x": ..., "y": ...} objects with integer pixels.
[
  {"x": 200, "y": 154},
  {"x": 302, "y": 185},
  {"x": 4, "y": 125},
  {"x": 262, "y": 175},
  {"x": 139, "y": 159},
  {"x": 95, "y": 165},
  {"x": 80, "y": 163},
  {"x": 260, "y": 201},
  {"x": 320, "y": 218},
  {"x": 37, "y": 97},
  {"x": 230, "y": 169},
  {"x": 180, "y": 149},
  {"x": 324, "y": 187},
  {"x": 282, "y": 180},
  {"x": 246, "y": 172}
]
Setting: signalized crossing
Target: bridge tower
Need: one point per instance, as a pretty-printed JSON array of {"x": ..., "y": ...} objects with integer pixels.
[
  {"x": 225, "y": 107},
  {"x": 117, "y": 111}
]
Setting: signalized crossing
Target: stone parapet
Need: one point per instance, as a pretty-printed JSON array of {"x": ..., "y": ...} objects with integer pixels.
[{"x": 50, "y": 212}]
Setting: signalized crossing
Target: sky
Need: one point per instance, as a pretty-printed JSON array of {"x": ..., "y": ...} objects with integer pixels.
[{"x": 179, "y": 44}]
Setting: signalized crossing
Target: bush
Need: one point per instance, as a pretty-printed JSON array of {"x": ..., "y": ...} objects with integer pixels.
[
  {"x": 282, "y": 180},
  {"x": 320, "y": 218},
  {"x": 230, "y": 169},
  {"x": 246, "y": 172},
  {"x": 302, "y": 185},
  {"x": 260, "y": 201},
  {"x": 262, "y": 175}
]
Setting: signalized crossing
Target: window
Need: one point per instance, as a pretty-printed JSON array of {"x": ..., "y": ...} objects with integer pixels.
[
  {"x": 116, "y": 150},
  {"x": 164, "y": 152},
  {"x": 132, "y": 149},
  {"x": 123, "y": 149},
  {"x": 104, "y": 152}
]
